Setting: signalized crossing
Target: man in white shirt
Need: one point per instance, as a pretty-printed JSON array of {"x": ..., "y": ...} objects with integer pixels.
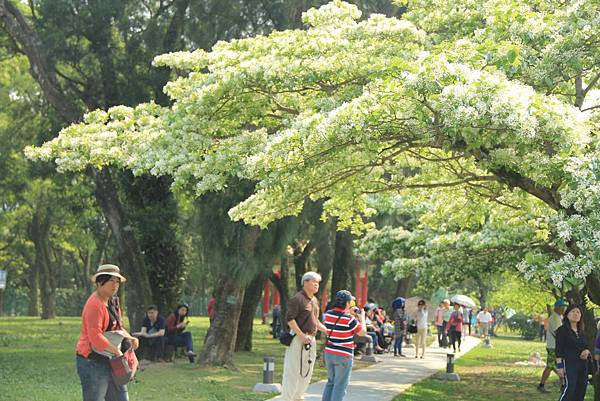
[
  {"x": 554, "y": 322},
  {"x": 484, "y": 318}
]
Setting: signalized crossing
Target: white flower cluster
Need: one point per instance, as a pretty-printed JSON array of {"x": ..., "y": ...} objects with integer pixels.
[{"x": 331, "y": 14}]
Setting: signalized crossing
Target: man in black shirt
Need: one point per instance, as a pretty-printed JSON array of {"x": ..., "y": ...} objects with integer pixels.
[{"x": 152, "y": 336}]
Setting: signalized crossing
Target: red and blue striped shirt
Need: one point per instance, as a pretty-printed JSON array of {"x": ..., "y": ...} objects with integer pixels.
[{"x": 340, "y": 339}]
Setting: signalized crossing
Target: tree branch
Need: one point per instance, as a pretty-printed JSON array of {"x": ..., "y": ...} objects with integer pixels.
[
  {"x": 592, "y": 83},
  {"x": 14, "y": 23},
  {"x": 591, "y": 108}
]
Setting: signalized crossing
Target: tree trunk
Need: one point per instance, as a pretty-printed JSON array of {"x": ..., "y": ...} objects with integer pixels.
[
  {"x": 483, "y": 293},
  {"x": 252, "y": 297},
  {"x": 129, "y": 255},
  {"x": 153, "y": 209},
  {"x": 589, "y": 322},
  {"x": 592, "y": 284},
  {"x": 281, "y": 283},
  {"x": 220, "y": 340},
  {"x": 39, "y": 231},
  {"x": 343, "y": 262},
  {"x": 34, "y": 288},
  {"x": 404, "y": 286},
  {"x": 324, "y": 238},
  {"x": 301, "y": 254}
]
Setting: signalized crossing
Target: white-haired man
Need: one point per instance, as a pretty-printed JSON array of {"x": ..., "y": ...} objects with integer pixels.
[{"x": 302, "y": 317}]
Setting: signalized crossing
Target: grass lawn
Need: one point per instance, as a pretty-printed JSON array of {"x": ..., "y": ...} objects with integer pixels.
[
  {"x": 491, "y": 374},
  {"x": 37, "y": 363}
]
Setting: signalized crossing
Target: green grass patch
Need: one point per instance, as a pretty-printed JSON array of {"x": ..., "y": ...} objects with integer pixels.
[
  {"x": 37, "y": 363},
  {"x": 491, "y": 374}
]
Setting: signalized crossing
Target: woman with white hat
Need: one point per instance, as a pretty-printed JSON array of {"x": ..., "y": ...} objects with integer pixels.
[{"x": 101, "y": 314}]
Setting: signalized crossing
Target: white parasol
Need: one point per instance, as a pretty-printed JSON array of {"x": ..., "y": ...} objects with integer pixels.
[{"x": 464, "y": 301}]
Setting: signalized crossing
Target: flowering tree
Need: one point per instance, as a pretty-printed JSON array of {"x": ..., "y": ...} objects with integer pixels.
[
  {"x": 490, "y": 96},
  {"x": 464, "y": 241}
]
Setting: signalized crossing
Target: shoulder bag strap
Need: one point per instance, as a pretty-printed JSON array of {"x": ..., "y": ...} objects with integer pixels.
[{"x": 335, "y": 324}]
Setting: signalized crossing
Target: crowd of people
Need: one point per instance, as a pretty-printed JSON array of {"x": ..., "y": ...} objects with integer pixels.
[{"x": 348, "y": 330}]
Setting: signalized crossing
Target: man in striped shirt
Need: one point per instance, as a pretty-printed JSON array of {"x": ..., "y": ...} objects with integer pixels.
[{"x": 342, "y": 325}]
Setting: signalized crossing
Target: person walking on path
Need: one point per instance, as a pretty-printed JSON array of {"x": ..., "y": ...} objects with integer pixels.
[
  {"x": 572, "y": 354},
  {"x": 101, "y": 313},
  {"x": 466, "y": 322},
  {"x": 445, "y": 318},
  {"x": 303, "y": 319},
  {"x": 422, "y": 319},
  {"x": 484, "y": 319},
  {"x": 439, "y": 323},
  {"x": 554, "y": 322},
  {"x": 341, "y": 323},
  {"x": 454, "y": 327},
  {"x": 400, "y": 324}
]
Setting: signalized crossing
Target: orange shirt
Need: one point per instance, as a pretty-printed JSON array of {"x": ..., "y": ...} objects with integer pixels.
[{"x": 94, "y": 320}]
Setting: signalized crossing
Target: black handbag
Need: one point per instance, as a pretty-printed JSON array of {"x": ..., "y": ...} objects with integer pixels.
[
  {"x": 286, "y": 338},
  {"x": 412, "y": 328}
]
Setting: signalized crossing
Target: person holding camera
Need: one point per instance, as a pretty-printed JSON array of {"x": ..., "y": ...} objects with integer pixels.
[
  {"x": 302, "y": 317},
  {"x": 342, "y": 323}
]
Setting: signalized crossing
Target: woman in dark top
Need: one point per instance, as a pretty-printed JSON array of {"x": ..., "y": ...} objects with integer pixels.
[{"x": 572, "y": 352}]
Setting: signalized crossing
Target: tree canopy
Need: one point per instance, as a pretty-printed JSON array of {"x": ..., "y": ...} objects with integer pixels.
[{"x": 491, "y": 96}]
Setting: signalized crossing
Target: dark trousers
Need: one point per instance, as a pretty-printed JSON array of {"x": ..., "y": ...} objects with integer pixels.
[
  {"x": 444, "y": 335},
  {"x": 440, "y": 335},
  {"x": 455, "y": 336},
  {"x": 151, "y": 348},
  {"x": 575, "y": 380}
]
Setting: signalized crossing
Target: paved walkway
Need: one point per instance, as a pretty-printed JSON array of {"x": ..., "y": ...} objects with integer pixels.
[{"x": 392, "y": 375}]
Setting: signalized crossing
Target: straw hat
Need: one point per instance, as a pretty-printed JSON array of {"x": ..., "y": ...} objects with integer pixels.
[{"x": 111, "y": 270}]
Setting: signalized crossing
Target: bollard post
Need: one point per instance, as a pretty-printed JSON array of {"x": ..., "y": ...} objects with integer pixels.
[
  {"x": 268, "y": 370},
  {"x": 449, "y": 375},
  {"x": 449, "y": 363},
  {"x": 267, "y": 386}
]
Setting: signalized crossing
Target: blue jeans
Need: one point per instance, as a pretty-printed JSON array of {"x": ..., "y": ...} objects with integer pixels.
[
  {"x": 97, "y": 383},
  {"x": 373, "y": 336},
  {"x": 398, "y": 344},
  {"x": 184, "y": 340},
  {"x": 338, "y": 375}
]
